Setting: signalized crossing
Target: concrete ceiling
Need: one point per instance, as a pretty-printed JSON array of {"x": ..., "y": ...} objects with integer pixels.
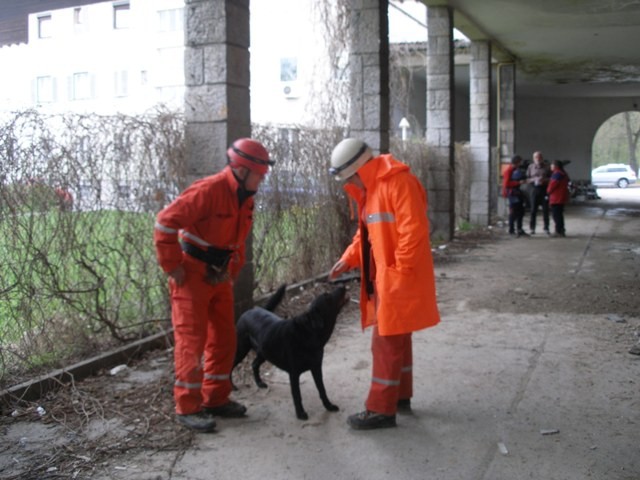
[{"x": 561, "y": 47}]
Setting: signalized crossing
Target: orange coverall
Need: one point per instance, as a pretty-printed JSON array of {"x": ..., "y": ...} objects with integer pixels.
[
  {"x": 393, "y": 217},
  {"x": 206, "y": 214}
]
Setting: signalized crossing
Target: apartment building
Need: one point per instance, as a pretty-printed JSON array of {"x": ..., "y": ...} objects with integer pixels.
[{"x": 105, "y": 57}]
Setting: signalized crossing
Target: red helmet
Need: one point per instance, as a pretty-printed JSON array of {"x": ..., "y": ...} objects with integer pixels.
[{"x": 251, "y": 154}]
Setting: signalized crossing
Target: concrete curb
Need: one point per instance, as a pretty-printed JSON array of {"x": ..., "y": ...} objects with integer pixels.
[{"x": 36, "y": 388}]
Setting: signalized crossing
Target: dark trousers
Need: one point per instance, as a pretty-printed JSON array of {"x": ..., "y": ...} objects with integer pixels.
[
  {"x": 557, "y": 211},
  {"x": 516, "y": 214},
  {"x": 538, "y": 195}
]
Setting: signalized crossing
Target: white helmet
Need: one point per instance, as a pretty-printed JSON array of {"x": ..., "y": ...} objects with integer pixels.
[{"x": 347, "y": 157}]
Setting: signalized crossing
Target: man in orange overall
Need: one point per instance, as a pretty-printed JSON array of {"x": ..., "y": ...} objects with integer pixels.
[
  {"x": 200, "y": 243},
  {"x": 392, "y": 250}
]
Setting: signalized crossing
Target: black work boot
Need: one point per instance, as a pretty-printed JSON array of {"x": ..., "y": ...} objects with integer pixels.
[
  {"x": 369, "y": 420},
  {"x": 230, "y": 409},
  {"x": 404, "y": 405},
  {"x": 199, "y": 421}
]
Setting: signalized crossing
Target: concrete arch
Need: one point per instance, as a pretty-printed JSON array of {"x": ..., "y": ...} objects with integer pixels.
[
  {"x": 624, "y": 158},
  {"x": 564, "y": 128}
]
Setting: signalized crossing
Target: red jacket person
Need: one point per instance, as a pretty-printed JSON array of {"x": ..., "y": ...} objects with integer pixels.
[
  {"x": 392, "y": 250},
  {"x": 200, "y": 243},
  {"x": 558, "y": 191}
]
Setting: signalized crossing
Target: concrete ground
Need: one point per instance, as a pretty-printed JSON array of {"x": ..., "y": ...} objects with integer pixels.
[
  {"x": 529, "y": 375},
  {"x": 500, "y": 393}
]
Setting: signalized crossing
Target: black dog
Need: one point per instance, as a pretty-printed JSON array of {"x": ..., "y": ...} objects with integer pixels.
[{"x": 294, "y": 345}]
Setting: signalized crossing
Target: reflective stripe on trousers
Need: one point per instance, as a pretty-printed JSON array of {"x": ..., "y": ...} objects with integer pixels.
[
  {"x": 203, "y": 322},
  {"x": 392, "y": 376}
]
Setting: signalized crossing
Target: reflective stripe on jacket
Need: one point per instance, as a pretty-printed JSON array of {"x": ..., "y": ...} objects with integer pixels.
[
  {"x": 206, "y": 214},
  {"x": 398, "y": 229}
]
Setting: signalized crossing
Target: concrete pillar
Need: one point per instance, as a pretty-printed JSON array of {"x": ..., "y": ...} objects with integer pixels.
[
  {"x": 479, "y": 130},
  {"x": 217, "y": 101},
  {"x": 440, "y": 95},
  {"x": 369, "y": 63},
  {"x": 506, "y": 126}
]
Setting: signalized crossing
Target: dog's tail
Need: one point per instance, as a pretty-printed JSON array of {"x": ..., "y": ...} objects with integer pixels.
[{"x": 276, "y": 298}]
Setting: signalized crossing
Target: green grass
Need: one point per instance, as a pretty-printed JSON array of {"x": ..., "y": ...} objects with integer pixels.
[
  {"x": 89, "y": 266},
  {"x": 465, "y": 226}
]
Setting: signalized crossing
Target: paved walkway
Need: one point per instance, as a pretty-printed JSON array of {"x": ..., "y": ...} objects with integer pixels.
[{"x": 528, "y": 376}]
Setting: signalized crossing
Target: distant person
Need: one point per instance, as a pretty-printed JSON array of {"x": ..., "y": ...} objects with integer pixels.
[
  {"x": 200, "y": 243},
  {"x": 558, "y": 191},
  {"x": 392, "y": 250},
  {"x": 538, "y": 174},
  {"x": 511, "y": 180}
]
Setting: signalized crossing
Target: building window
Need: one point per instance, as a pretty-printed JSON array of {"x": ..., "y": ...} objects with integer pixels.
[
  {"x": 80, "y": 19},
  {"x": 45, "y": 92},
  {"x": 288, "y": 69},
  {"x": 121, "y": 15},
  {"x": 121, "y": 83},
  {"x": 78, "y": 16},
  {"x": 171, "y": 20},
  {"x": 123, "y": 191},
  {"x": 81, "y": 86},
  {"x": 44, "y": 26}
]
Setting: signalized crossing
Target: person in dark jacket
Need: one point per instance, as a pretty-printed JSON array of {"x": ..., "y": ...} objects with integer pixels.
[
  {"x": 511, "y": 180},
  {"x": 558, "y": 191},
  {"x": 538, "y": 174}
]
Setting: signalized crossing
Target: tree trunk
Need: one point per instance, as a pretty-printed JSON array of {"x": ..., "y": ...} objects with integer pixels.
[{"x": 632, "y": 141}]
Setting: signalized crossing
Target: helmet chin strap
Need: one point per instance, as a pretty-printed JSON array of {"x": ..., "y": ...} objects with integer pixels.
[
  {"x": 241, "y": 180},
  {"x": 243, "y": 192}
]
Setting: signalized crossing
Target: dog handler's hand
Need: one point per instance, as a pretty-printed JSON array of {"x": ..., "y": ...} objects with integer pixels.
[
  {"x": 178, "y": 275},
  {"x": 338, "y": 269}
]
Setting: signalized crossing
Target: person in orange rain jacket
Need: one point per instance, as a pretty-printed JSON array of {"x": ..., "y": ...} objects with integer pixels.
[
  {"x": 200, "y": 243},
  {"x": 392, "y": 250}
]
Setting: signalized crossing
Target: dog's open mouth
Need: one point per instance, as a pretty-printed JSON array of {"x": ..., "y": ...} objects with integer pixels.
[{"x": 344, "y": 299}]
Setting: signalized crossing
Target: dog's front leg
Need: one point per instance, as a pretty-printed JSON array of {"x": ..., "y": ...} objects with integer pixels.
[
  {"x": 294, "y": 381},
  {"x": 317, "y": 377}
]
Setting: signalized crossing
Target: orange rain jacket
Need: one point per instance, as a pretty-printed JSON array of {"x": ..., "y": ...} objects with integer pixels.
[
  {"x": 205, "y": 214},
  {"x": 398, "y": 230}
]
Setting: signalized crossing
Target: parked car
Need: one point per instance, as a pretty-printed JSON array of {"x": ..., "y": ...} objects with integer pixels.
[{"x": 613, "y": 174}]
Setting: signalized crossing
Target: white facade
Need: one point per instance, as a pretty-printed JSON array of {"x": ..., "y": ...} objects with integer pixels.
[
  {"x": 286, "y": 56},
  {"x": 125, "y": 57},
  {"x": 295, "y": 95}
]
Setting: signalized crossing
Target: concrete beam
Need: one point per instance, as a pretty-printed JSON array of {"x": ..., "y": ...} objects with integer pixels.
[{"x": 473, "y": 31}]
